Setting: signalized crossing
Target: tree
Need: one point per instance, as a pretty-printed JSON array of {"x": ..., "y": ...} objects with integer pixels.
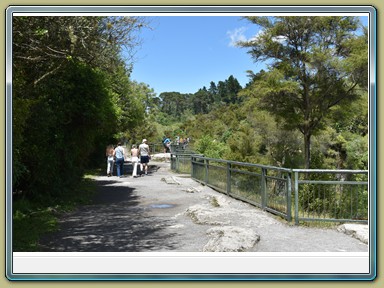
[
  {"x": 310, "y": 69},
  {"x": 226, "y": 91},
  {"x": 213, "y": 92},
  {"x": 202, "y": 101},
  {"x": 68, "y": 79},
  {"x": 233, "y": 88},
  {"x": 173, "y": 104}
]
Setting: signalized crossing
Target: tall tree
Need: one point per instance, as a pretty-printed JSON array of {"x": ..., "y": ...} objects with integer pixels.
[
  {"x": 173, "y": 103},
  {"x": 202, "y": 101},
  {"x": 66, "y": 73},
  {"x": 310, "y": 68},
  {"x": 233, "y": 88}
]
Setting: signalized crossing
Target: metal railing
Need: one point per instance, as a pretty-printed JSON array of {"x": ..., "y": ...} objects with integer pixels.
[
  {"x": 181, "y": 160},
  {"x": 159, "y": 148},
  {"x": 266, "y": 187},
  {"x": 156, "y": 148},
  {"x": 331, "y": 195},
  {"x": 305, "y": 195}
]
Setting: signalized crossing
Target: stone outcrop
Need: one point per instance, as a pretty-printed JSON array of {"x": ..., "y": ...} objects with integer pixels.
[
  {"x": 358, "y": 231},
  {"x": 230, "y": 239}
]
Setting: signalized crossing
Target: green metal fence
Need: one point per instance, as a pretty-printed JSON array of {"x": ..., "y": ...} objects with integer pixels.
[
  {"x": 267, "y": 187},
  {"x": 331, "y": 195},
  {"x": 299, "y": 194},
  {"x": 181, "y": 162}
]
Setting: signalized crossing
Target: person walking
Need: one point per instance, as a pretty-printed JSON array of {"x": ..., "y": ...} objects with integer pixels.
[
  {"x": 144, "y": 156},
  {"x": 110, "y": 159},
  {"x": 167, "y": 144},
  {"x": 134, "y": 160},
  {"x": 119, "y": 155}
]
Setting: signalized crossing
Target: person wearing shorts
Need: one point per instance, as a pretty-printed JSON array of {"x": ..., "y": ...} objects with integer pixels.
[{"x": 144, "y": 156}]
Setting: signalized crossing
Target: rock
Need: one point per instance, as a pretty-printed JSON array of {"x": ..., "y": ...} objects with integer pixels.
[
  {"x": 202, "y": 215},
  {"x": 230, "y": 239},
  {"x": 192, "y": 190},
  {"x": 171, "y": 180},
  {"x": 358, "y": 231},
  {"x": 161, "y": 157}
]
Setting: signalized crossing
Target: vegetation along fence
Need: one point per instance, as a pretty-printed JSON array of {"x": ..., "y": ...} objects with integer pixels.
[{"x": 305, "y": 195}]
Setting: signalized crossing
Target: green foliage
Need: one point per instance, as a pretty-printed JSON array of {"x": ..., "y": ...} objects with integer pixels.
[
  {"x": 71, "y": 95},
  {"x": 210, "y": 147},
  {"x": 357, "y": 152},
  {"x": 72, "y": 110},
  {"x": 331, "y": 201},
  {"x": 311, "y": 69},
  {"x": 28, "y": 226}
]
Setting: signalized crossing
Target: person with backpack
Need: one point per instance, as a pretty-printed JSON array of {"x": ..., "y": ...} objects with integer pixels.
[
  {"x": 167, "y": 145},
  {"x": 119, "y": 155}
]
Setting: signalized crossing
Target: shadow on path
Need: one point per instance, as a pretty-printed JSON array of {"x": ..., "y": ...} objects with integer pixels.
[{"x": 115, "y": 222}]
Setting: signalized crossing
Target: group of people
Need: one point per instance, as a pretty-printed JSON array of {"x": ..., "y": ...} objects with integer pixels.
[
  {"x": 116, "y": 156},
  {"x": 179, "y": 142}
]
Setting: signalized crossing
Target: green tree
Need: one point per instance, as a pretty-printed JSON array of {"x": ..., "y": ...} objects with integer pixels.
[
  {"x": 202, "y": 101},
  {"x": 233, "y": 88},
  {"x": 310, "y": 69},
  {"x": 67, "y": 73},
  {"x": 173, "y": 104}
]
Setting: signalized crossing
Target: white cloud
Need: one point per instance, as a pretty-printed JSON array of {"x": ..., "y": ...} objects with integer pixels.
[
  {"x": 236, "y": 36},
  {"x": 280, "y": 39},
  {"x": 259, "y": 34}
]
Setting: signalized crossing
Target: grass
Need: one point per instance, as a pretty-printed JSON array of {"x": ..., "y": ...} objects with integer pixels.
[
  {"x": 29, "y": 225},
  {"x": 214, "y": 202},
  {"x": 31, "y": 219}
]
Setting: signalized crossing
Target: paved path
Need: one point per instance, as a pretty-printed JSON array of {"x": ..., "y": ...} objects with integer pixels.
[{"x": 165, "y": 211}]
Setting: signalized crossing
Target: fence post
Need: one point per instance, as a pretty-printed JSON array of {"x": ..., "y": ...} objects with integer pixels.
[
  {"x": 296, "y": 198},
  {"x": 263, "y": 188},
  {"x": 177, "y": 163},
  {"x": 206, "y": 162},
  {"x": 192, "y": 159},
  {"x": 289, "y": 196},
  {"x": 172, "y": 162},
  {"x": 229, "y": 166}
]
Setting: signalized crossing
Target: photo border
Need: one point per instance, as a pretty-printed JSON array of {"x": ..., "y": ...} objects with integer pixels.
[{"x": 197, "y": 9}]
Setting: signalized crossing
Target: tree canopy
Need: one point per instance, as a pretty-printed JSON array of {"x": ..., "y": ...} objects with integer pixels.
[
  {"x": 71, "y": 95},
  {"x": 315, "y": 63}
]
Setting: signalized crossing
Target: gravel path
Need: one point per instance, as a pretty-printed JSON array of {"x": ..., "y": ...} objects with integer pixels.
[{"x": 164, "y": 211}]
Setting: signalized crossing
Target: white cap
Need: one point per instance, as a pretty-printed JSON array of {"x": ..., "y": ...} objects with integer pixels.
[{"x": 144, "y": 140}]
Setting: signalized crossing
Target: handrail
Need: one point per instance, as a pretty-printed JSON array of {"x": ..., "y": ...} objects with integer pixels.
[
  {"x": 329, "y": 171},
  {"x": 245, "y": 164},
  {"x": 280, "y": 188}
]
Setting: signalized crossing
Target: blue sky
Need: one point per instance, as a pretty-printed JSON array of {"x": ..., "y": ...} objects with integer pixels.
[{"x": 185, "y": 53}]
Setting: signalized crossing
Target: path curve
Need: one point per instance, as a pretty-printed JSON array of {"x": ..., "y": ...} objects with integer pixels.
[{"x": 165, "y": 211}]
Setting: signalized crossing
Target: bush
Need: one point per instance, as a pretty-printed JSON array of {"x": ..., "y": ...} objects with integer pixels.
[{"x": 210, "y": 147}]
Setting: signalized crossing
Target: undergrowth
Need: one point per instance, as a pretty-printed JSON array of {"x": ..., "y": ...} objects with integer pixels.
[{"x": 32, "y": 218}]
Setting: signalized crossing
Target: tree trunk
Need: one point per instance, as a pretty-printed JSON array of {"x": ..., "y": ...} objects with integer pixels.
[{"x": 307, "y": 149}]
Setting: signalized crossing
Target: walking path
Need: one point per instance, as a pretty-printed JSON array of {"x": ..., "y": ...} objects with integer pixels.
[{"x": 165, "y": 211}]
